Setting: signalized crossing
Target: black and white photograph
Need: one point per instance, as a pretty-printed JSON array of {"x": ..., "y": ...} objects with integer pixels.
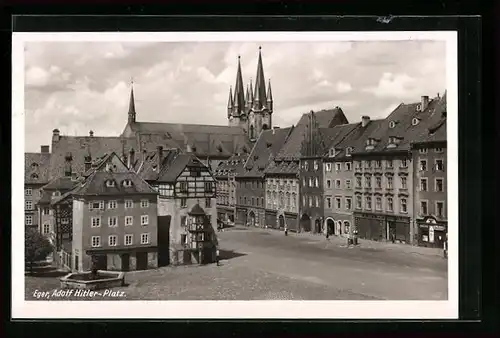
[{"x": 254, "y": 175}]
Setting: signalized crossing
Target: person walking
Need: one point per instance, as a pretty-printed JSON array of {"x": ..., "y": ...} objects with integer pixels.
[
  {"x": 286, "y": 231},
  {"x": 217, "y": 257}
]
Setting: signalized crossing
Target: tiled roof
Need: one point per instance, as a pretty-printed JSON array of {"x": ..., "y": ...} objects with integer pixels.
[
  {"x": 283, "y": 168},
  {"x": 62, "y": 183},
  {"x": 324, "y": 119},
  {"x": 36, "y": 168},
  {"x": 435, "y": 130},
  {"x": 264, "y": 151},
  {"x": 149, "y": 171},
  {"x": 404, "y": 129},
  {"x": 233, "y": 165},
  {"x": 96, "y": 185}
]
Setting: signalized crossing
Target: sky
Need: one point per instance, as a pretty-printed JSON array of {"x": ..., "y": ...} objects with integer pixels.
[{"x": 82, "y": 86}]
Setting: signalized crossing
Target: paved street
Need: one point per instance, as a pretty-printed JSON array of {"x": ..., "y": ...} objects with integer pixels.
[{"x": 260, "y": 264}]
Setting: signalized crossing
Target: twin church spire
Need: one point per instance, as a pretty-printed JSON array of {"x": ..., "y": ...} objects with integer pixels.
[{"x": 251, "y": 110}]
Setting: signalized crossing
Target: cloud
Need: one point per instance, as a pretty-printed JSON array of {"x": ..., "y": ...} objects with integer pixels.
[{"x": 78, "y": 86}]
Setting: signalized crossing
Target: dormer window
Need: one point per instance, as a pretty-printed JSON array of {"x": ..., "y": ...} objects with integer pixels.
[
  {"x": 393, "y": 142},
  {"x": 127, "y": 183},
  {"x": 348, "y": 151},
  {"x": 415, "y": 121},
  {"x": 392, "y": 124},
  {"x": 56, "y": 193},
  {"x": 34, "y": 176},
  {"x": 306, "y": 166},
  {"x": 370, "y": 143},
  {"x": 110, "y": 183},
  {"x": 332, "y": 152},
  {"x": 34, "y": 165}
]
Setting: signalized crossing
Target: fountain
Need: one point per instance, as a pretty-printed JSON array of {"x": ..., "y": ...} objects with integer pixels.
[{"x": 93, "y": 280}]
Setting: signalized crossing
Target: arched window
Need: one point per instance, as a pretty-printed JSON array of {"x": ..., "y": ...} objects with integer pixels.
[{"x": 288, "y": 200}]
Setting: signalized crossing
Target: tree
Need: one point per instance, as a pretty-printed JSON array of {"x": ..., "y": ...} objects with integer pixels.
[{"x": 36, "y": 247}]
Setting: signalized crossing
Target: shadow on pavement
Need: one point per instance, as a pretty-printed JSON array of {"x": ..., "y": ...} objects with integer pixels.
[
  {"x": 229, "y": 254},
  {"x": 47, "y": 274}
]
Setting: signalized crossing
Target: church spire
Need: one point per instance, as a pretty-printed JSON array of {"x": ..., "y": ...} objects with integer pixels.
[
  {"x": 239, "y": 94},
  {"x": 260, "y": 85},
  {"x": 269, "y": 96},
  {"x": 131, "y": 106},
  {"x": 230, "y": 101}
]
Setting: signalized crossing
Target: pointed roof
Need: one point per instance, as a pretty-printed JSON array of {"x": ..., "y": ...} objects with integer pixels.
[
  {"x": 251, "y": 91},
  {"x": 131, "y": 105},
  {"x": 269, "y": 92},
  {"x": 260, "y": 84},
  {"x": 239, "y": 94},
  {"x": 230, "y": 100}
]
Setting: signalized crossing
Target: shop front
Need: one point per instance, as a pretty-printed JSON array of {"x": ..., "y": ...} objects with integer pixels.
[{"x": 431, "y": 233}]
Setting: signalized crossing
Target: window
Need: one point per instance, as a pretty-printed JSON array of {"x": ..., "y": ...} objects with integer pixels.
[
  {"x": 368, "y": 164},
  {"x": 348, "y": 151},
  {"x": 96, "y": 205},
  {"x": 127, "y": 183},
  {"x": 303, "y": 200},
  {"x": 439, "y": 165},
  {"x": 331, "y": 152},
  {"x": 368, "y": 182},
  {"x": 209, "y": 187},
  {"x": 338, "y": 166},
  {"x": 328, "y": 167},
  {"x": 145, "y": 238},
  {"x": 310, "y": 182},
  {"x": 208, "y": 203},
  {"x": 129, "y": 204},
  {"x": 368, "y": 203},
  {"x": 440, "y": 209},
  {"x": 129, "y": 239},
  {"x": 423, "y": 165},
  {"x": 392, "y": 124},
  {"x": 112, "y": 205},
  {"x": 316, "y": 200},
  {"x": 129, "y": 220},
  {"x": 423, "y": 151},
  {"x": 358, "y": 202},
  {"x": 389, "y": 164},
  {"x": 403, "y": 183},
  {"x": 184, "y": 202},
  {"x": 34, "y": 176},
  {"x": 96, "y": 222},
  {"x": 439, "y": 184},
  {"x": 144, "y": 203},
  {"x": 328, "y": 184},
  {"x": 338, "y": 202},
  {"x": 378, "y": 203},
  {"x": 358, "y": 164},
  {"x": 253, "y": 201},
  {"x": 113, "y": 221},
  {"x": 378, "y": 164},
  {"x": 348, "y": 203},
  {"x": 390, "y": 204},
  {"x": 338, "y": 184},
  {"x": 56, "y": 193},
  {"x": 46, "y": 229},
  {"x": 306, "y": 166},
  {"x": 415, "y": 121},
  {"x": 358, "y": 182},
  {"x": 404, "y": 163},
  {"x": 423, "y": 208},
  {"x": 28, "y": 220},
  {"x": 328, "y": 202},
  {"x": 96, "y": 241},
  {"x": 378, "y": 182},
  {"x": 389, "y": 182},
  {"x": 438, "y": 150},
  {"x": 28, "y": 205},
  {"x": 112, "y": 240},
  {"x": 28, "y": 191},
  {"x": 310, "y": 201},
  {"x": 348, "y": 184},
  {"x": 423, "y": 184},
  {"x": 316, "y": 166},
  {"x": 46, "y": 211},
  {"x": 403, "y": 206},
  {"x": 183, "y": 187},
  {"x": 316, "y": 182},
  {"x": 348, "y": 166},
  {"x": 144, "y": 220}
]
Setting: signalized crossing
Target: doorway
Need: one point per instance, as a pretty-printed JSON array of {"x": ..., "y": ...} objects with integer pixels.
[
  {"x": 330, "y": 225},
  {"x": 125, "y": 262},
  {"x": 281, "y": 221},
  {"x": 251, "y": 218},
  {"x": 101, "y": 262},
  {"x": 305, "y": 223},
  {"x": 141, "y": 260}
]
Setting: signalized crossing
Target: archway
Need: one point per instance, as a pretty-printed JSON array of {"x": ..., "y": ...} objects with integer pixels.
[
  {"x": 347, "y": 228},
  {"x": 281, "y": 221},
  {"x": 330, "y": 226},
  {"x": 251, "y": 218},
  {"x": 338, "y": 228},
  {"x": 305, "y": 223}
]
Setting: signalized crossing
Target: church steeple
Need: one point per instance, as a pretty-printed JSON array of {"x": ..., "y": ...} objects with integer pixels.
[
  {"x": 230, "y": 102},
  {"x": 131, "y": 106},
  {"x": 260, "y": 85},
  {"x": 239, "y": 93},
  {"x": 269, "y": 96}
]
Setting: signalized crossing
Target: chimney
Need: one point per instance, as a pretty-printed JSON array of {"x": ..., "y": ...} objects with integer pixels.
[
  {"x": 55, "y": 135},
  {"x": 91, "y": 133},
  {"x": 131, "y": 158},
  {"x": 44, "y": 149},
  {"x": 425, "y": 103},
  {"x": 159, "y": 155},
  {"x": 365, "y": 120},
  {"x": 67, "y": 166}
]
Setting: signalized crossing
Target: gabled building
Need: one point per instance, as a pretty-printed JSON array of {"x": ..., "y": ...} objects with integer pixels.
[
  {"x": 384, "y": 175},
  {"x": 36, "y": 175},
  {"x": 250, "y": 179},
  {"x": 430, "y": 174},
  {"x": 182, "y": 182},
  {"x": 283, "y": 171}
]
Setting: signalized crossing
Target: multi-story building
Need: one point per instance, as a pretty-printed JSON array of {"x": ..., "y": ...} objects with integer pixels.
[
  {"x": 186, "y": 188},
  {"x": 311, "y": 178},
  {"x": 36, "y": 175},
  {"x": 284, "y": 172},
  {"x": 250, "y": 180},
  {"x": 225, "y": 174},
  {"x": 383, "y": 170},
  {"x": 338, "y": 182},
  {"x": 114, "y": 223},
  {"x": 430, "y": 174}
]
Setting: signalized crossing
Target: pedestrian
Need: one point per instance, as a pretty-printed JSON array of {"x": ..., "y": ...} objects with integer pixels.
[
  {"x": 286, "y": 231},
  {"x": 217, "y": 256},
  {"x": 393, "y": 237}
]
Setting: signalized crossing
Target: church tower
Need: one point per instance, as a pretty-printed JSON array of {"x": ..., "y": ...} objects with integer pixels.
[
  {"x": 236, "y": 107},
  {"x": 260, "y": 114}
]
